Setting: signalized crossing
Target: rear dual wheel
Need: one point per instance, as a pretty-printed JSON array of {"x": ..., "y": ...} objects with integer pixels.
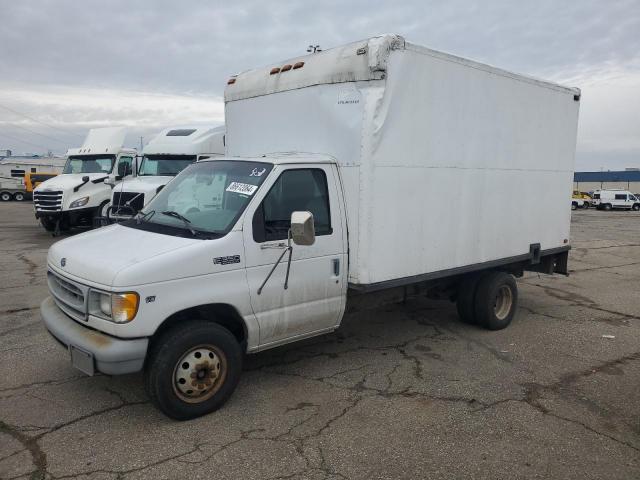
[
  {"x": 5, "y": 196},
  {"x": 489, "y": 300}
]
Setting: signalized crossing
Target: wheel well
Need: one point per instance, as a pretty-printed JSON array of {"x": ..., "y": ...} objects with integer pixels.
[{"x": 220, "y": 313}]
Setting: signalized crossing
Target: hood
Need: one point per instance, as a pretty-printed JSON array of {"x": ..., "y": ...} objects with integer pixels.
[
  {"x": 97, "y": 256},
  {"x": 67, "y": 181},
  {"x": 144, "y": 184}
]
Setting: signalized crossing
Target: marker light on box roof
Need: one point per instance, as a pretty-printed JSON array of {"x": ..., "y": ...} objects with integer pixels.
[
  {"x": 286, "y": 68},
  {"x": 274, "y": 70}
]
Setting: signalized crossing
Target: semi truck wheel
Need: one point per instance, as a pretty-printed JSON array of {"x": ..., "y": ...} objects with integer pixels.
[
  {"x": 193, "y": 369},
  {"x": 496, "y": 300},
  {"x": 18, "y": 196},
  {"x": 465, "y": 303},
  {"x": 5, "y": 196}
]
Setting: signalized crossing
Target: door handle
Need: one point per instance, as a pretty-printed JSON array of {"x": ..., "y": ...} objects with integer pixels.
[
  {"x": 267, "y": 245},
  {"x": 336, "y": 267}
]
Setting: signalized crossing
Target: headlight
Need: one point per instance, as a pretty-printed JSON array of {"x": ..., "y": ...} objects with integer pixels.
[
  {"x": 81, "y": 202},
  {"x": 117, "y": 307}
]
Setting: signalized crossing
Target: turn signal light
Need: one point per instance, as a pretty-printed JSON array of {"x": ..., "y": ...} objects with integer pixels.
[{"x": 124, "y": 306}]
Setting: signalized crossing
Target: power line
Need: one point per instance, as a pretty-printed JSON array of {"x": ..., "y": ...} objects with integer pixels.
[
  {"x": 68, "y": 132},
  {"x": 37, "y": 133},
  {"x": 22, "y": 141}
]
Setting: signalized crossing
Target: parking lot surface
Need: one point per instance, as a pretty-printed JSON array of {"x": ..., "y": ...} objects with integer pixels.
[{"x": 402, "y": 391}]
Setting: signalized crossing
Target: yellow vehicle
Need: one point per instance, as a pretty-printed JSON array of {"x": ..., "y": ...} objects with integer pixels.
[
  {"x": 32, "y": 180},
  {"x": 583, "y": 199}
]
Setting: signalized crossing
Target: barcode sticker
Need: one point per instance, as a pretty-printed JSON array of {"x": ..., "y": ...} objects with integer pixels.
[{"x": 245, "y": 188}]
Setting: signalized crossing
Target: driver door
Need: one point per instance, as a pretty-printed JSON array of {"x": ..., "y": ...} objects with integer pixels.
[{"x": 314, "y": 299}]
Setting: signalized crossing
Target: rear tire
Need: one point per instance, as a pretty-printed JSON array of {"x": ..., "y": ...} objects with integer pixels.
[
  {"x": 465, "y": 303},
  {"x": 18, "y": 196},
  {"x": 496, "y": 300},
  {"x": 172, "y": 368},
  {"x": 5, "y": 196}
]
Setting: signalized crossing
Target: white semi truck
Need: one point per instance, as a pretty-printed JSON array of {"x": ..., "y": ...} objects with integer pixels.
[
  {"x": 80, "y": 193},
  {"x": 163, "y": 158},
  {"x": 399, "y": 172}
]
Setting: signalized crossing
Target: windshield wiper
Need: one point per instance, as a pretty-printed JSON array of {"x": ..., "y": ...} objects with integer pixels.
[
  {"x": 143, "y": 217},
  {"x": 186, "y": 221}
]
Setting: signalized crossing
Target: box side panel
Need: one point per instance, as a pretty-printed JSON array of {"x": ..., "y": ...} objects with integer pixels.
[
  {"x": 464, "y": 166},
  {"x": 319, "y": 119}
]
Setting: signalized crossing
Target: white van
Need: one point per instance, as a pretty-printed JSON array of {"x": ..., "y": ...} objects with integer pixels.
[
  {"x": 615, "y": 199},
  {"x": 386, "y": 144},
  {"x": 80, "y": 194},
  {"x": 163, "y": 158}
]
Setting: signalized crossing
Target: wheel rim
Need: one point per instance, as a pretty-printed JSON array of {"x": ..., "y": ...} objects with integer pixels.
[
  {"x": 5, "y": 197},
  {"x": 504, "y": 301},
  {"x": 19, "y": 197},
  {"x": 199, "y": 373}
]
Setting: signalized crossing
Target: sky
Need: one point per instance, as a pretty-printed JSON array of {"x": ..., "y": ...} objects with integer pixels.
[{"x": 67, "y": 66}]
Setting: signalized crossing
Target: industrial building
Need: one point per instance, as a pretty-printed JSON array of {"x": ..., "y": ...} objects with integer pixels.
[{"x": 623, "y": 179}]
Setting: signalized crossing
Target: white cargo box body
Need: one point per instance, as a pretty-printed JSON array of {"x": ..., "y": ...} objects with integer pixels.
[{"x": 436, "y": 152}]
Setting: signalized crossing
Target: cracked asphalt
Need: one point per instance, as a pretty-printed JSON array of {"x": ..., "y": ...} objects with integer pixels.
[{"x": 400, "y": 391}]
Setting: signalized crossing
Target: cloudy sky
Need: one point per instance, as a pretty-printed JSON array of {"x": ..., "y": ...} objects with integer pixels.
[{"x": 67, "y": 66}]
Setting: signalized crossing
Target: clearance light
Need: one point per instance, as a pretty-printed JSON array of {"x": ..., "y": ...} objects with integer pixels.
[
  {"x": 286, "y": 68},
  {"x": 231, "y": 81},
  {"x": 274, "y": 70},
  {"x": 298, "y": 65}
]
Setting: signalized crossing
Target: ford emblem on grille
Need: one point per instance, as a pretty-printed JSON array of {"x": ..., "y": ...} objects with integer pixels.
[{"x": 63, "y": 262}]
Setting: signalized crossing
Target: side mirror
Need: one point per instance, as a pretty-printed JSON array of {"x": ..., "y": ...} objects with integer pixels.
[
  {"x": 303, "y": 231},
  {"x": 124, "y": 169}
]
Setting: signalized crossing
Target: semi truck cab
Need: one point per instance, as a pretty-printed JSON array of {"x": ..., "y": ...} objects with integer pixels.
[{"x": 80, "y": 193}]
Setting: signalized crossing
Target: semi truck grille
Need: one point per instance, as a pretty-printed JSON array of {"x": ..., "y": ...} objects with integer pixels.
[
  {"x": 120, "y": 199},
  {"x": 69, "y": 296},
  {"x": 48, "y": 201}
]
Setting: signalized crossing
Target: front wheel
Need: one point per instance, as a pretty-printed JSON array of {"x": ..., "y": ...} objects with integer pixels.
[
  {"x": 574, "y": 205},
  {"x": 496, "y": 300},
  {"x": 193, "y": 369},
  {"x": 607, "y": 207},
  {"x": 636, "y": 207}
]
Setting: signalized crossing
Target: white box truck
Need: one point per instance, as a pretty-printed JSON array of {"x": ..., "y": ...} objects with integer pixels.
[
  {"x": 163, "y": 158},
  {"x": 398, "y": 172},
  {"x": 80, "y": 194}
]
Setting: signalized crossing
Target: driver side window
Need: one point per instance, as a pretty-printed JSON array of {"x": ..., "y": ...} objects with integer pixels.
[{"x": 303, "y": 189}]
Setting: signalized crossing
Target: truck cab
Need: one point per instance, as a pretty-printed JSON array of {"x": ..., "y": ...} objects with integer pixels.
[
  {"x": 80, "y": 194},
  {"x": 163, "y": 158}
]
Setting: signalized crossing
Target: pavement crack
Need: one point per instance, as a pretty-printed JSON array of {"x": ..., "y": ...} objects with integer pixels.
[{"x": 38, "y": 457}]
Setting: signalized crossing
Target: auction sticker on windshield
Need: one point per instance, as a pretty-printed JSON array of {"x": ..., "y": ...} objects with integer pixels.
[{"x": 245, "y": 188}]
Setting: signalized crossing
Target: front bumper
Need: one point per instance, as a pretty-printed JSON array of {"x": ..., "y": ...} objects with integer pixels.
[{"x": 112, "y": 356}]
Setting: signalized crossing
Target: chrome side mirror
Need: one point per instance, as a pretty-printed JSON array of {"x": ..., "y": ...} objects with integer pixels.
[{"x": 303, "y": 231}]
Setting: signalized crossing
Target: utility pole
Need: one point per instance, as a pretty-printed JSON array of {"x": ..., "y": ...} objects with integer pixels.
[{"x": 141, "y": 143}]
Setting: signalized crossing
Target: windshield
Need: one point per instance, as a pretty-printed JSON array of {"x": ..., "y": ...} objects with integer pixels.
[
  {"x": 164, "y": 165},
  {"x": 89, "y": 164},
  {"x": 205, "y": 198}
]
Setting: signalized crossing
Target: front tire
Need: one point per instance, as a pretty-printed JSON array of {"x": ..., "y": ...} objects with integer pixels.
[
  {"x": 49, "y": 225},
  {"x": 636, "y": 207},
  {"x": 496, "y": 300},
  {"x": 607, "y": 207},
  {"x": 574, "y": 206},
  {"x": 193, "y": 369}
]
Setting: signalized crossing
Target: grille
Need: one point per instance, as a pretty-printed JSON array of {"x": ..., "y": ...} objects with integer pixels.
[
  {"x": 70, "y": 296},
  {"x": 48, "y": 201},
  {"x": 136, "y": 202}
]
